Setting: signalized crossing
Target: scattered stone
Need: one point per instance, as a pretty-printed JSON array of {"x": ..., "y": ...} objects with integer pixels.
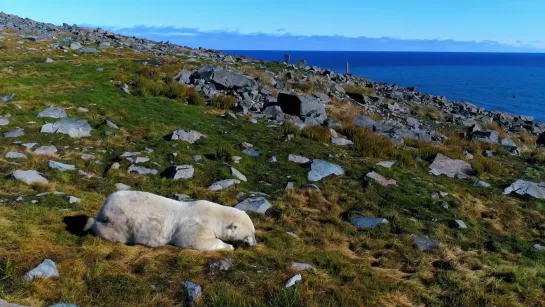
[
  {"x": 29, "y": 177},
  {"x": 122, "y": 187},
  {"x": 302, "y": 266},
  {"x": 140, "y": 170},
  {"x": 83, "y": 110},
  {"x": 380, "y": 179},
  {"x": 290, "y": 186},
  {"x": 257, "y": 204},
  {"x": 179, "y": 172},
  {"x": 451, "y": 168},
  {"x": 111, "y": 124},
  {"x": 53, "y": 112},
  {"x": 292, "y": 281},
  {"x": 539, "y": 247},
  {"x": 75, "y": 128},
  {"x": 73, "y": 200},
  {"x": 6, "y": 304},
  {"x": 222, "y": 265},
  {"x": 424, "y": 242},
  {"x": 321, "y": 169},
  {"x": 29, "y": 145},
  {"x": 223, "y": 184},
  {"x": 229, "y": 115},
  {"x": 138, "y": 160},
  {"x": 7, "y": 98},
  {"x": 238, "y": 174},
  {"x": 49, "y": 60},
  {"x": 460, "y": 224},
  {"x": 272, "y": 159},
  {"x": 386, "y": 164},
  {"x": 46, "y": 150},
  {"x": 482, "y": 184},
  {"x": 187, "y": 136},
  {"x": 236, "y": 159},
  {"x": 298, "y": 159},
  {"x": 130, "y": 154},
  {"x": 4, "y": 121},
  {"x": 252, "y": 152},
  {"x": 526, "y": 188},
  {"x": 15, "y": 133},
  {"x": 46, "y": 269},
  {"x": 15, "y": 155},
  {"x": 115, "y": 166},
  {"x": 88, "y": 156},
  {"x": 247, "y": 145},
  {"x": 61, "y": 166},
  {"x": 367, "y": 222},
  {"x": 193, "y": 291},
  {"x": 341, "y": 142},
  {"x": 100, "y": 69}
]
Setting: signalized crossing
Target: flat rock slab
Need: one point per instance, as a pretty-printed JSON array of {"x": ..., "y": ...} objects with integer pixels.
[
  {"x": 257, "y": 205},
  {"x": 45, "y": 150},
  {"x": 15, "y": 155},
  {"x": 15, "y": 133},
  {"x": 292, "y": 281},
  {"x": 29, "y": 177},
  {"x": 367, "y": 222},
  {"x": 302, "y": 266},
  {"x": 223, "y": 184},
  {"x": 386, "y": 164},
  {"x": 187, "y": 136},
  {"x": 341, "y": 142},
  {"x": 7, "y": 98},
  {"x": 4, "y": 121},
  {"x": 451, "y": 168},
  {"x": 75, "y": 128},
  {"x": 46, "y": 269},
  {"x": 140, "y": 170},
  {"x": 460, "y": 224},
  {"x": 298, "y": 159},
  {"x": 193, "y": 291},
  {"x": 482, "y": 184},
  {"x": 425, "y": 243},
  {"x": 179, "y": 172},
  {"x": 321, "y": 169},
  {"x": 53, "y": 112},
  {"x": 61, "y": 166},
  {"x": 138, "y": 160},
  {"x": 380, "y": 179},
  {"x": 222, "y": 265},
  {"x": 527, "y": 188},
  {"x": 238, "y": 174}
]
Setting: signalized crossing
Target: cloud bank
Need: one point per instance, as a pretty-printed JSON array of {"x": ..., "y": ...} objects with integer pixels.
[{"x": 282, "y": 40}]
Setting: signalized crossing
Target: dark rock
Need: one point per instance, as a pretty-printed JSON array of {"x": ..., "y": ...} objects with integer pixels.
[{"x": 303, "y": 106}]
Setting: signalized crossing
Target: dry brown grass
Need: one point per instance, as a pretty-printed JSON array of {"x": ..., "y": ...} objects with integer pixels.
[
  {"x": 344, "y": 112},
  {"x": 350, "y": 88},
  {"x": 428, "y": 112}
]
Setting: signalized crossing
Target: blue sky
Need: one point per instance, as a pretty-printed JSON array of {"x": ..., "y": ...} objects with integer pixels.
[{"x": 435, "y": 25}]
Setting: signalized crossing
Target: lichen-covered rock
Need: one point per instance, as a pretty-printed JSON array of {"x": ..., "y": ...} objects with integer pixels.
[
  {"x": 29, "y": 177},
  {"x": 321, "y": 169},
  {"x": 223, "y": 184},
  {"x": 46, "y": 269},
  {"x": 527, "y": 188},
  {"x": 451, "y": 168},
  {"x": 53, "y": 112},
  {"x": 75, "y": 128},
  {"x": 187, "y": 136},
  {"x": 257, "y": 205}
]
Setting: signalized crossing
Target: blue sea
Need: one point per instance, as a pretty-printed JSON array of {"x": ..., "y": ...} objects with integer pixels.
[{"x": 489, "y": 80}]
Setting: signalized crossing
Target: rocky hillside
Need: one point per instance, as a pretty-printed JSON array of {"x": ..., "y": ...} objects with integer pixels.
[{"x": 362, "y": 193}]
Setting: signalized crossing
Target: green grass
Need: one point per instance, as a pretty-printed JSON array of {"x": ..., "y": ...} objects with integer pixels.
[{"x": 493, "y": 263}]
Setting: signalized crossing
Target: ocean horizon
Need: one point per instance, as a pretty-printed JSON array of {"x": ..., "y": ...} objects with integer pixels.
[{"x": 506, "y": 82}]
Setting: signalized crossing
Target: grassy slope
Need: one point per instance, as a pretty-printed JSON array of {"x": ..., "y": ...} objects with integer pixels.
[{"x": 491, "y": 263}]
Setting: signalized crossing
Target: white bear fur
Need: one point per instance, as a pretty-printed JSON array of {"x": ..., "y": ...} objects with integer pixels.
[{"x": 133, "y": 217}]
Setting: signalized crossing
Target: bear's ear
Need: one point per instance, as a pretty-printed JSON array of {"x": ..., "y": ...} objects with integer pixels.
[{"x": 232, "y": 226}]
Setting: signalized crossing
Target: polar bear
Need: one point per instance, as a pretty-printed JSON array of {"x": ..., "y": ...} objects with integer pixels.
[{"x": 142, "y": 218}]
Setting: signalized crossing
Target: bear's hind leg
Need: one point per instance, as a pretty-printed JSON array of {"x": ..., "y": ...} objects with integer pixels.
[
  {"x": 107, "y": 232},
  {"x": 211, "y": 245}
]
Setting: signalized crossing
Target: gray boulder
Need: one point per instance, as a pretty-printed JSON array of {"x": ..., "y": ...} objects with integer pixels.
[
  {"x": 238, "y": 174},
  {"x": 183, "y": 77},
  {"x": 180, "y": 172},
  {"x": 321, "y": 169},
  {"x": 188, "y": 136},
  {"x": 303, "y": 106},
  {"x": 526, "y": 188},
  {"x": 386, "y": 164},
  {"x": 75, "y": 128},
  {"x": 15, "y": 155},
  {"x": 293, "y": 280},
  {"x": 257, "y": 204},
  {"x": 380, "y": 179},
  {"x": 29, "y": 177},
  {"x": 7, "y": 98},
  {"x": 367, "y": 222},
  {"x": 302, "y": 266},
  {"x": 75, "y": 46},
  {"x": 15, "y": 133},
  {"x": 482, "y": 184},
  {"x": 122, "y": 187},
  {"x": 46, "y": 150},
  {"x": 365, "y": 122},
  {"x": 298, "y": 159},
  {"x": 487, "y": 136},
  {"x": 193, "y": 291},
  {"x": 46, "y": 269},
  {"x": 140, "y": 170},
  {"x": 223, "y": 184},
  {"x": 451, "y": 168},
  {"x": 460, "y": 224},
  {"x": 61, "y": 166},
  {"x": 53, "y": 112},
  {"x": 111, "y": 124},
  {"x": 341, "y": 142},
  {"x": 4, "y": 121}
]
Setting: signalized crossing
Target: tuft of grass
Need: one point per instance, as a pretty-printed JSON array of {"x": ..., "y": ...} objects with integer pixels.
[
  {"x": 428, "y": 112},
  {"x": 344, "y": 112},
  {"x": 317, "y": 133},
  {"x": 289, "y": 128},
  {"x": 368, "y": 143},
  {"x": 349, "y": 88},
  {"x": 224, "y": 102}
]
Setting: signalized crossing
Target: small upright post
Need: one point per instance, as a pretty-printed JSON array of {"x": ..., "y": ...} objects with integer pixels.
[
  {"x": 347, "y": 68},
  {"x": 287, "y": 59}
]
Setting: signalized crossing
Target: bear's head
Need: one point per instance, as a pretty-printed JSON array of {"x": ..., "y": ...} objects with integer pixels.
[{"x": 239, "y": 227}]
